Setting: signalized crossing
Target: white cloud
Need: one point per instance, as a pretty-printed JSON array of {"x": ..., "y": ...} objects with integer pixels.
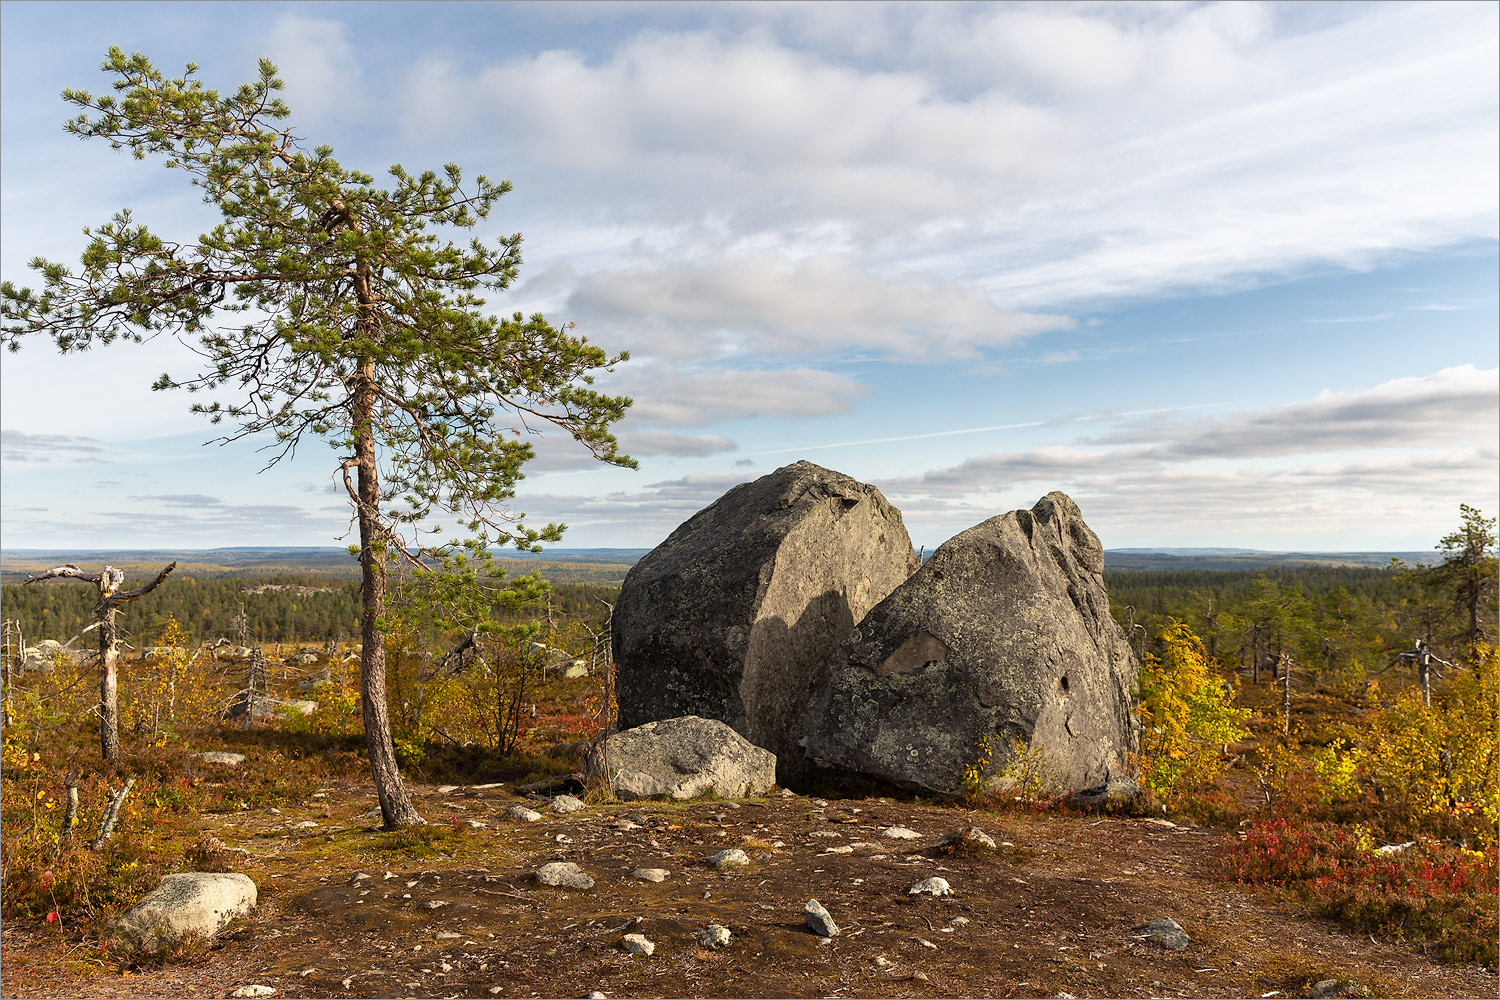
[
  {"x": 22, "y": 446},
  {"x": 1454, "y": 405},
  {"x": 764, "y": 302},
  {"x": 321, "y": 70},
  {"x": 666, "y": 396}
]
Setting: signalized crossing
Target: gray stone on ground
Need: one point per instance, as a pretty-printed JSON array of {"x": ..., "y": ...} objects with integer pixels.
[
  {"x": 197, "y": 903},
  {"x": 970, "y": 838},
  {"x": 1166, "y": 932},
  {"x": 900, "y": 833},
  {"x": 263, "y": 707},
  {"x": 254, "y": 990},
  {"x": 731, "y": 858},
  {"x": 638, "y": 944},
  {"x": 1005, "y": 630},
  {"x": 735, "y": 615},
  {"x": 221, "y": 757},
  {"x": 681, "y": 759},
  {"x": 650, "y": 874},
  {"x": 566, "y": 804},
  {"x": 818, "y": 919},
  {"x": 1324, "y": 989},
  {"x": 522, "y": 814},
  {"x": 43, "y": 657},
  {"x": 563, "y": 875},
  {"x": 714, "y": 936},
  {"x": 302, "y": 659},
  {"x": 934, "y": 886},
  {"x": 578, "y": 668}
]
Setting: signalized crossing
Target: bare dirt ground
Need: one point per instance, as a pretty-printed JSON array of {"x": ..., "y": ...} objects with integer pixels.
[{"x": 1053, "y": 911}]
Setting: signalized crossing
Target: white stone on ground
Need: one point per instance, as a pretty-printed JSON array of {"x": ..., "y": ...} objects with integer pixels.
[
  {"x": 566, "y": 804},
  {"x": 637, "y": 944},
  {"x": 254, "y": 990},
  {"x": 201, "y": 903},
  {"x": 714, "y": 936},
  {"x": 564, "y": 875},
  {"x": 900, "y": 833},
  {"x": 650, "y": 874},
  {"x": 732, "y": 858},
  {"x": 935, "y": 886},
  {"x": 818, "y": 919},
  {"x": 523, "y": 814},
  {"x": 221, "y": 757}
]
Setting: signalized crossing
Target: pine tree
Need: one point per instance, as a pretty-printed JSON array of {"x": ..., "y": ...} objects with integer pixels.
[{"x": 356, "y": 322}]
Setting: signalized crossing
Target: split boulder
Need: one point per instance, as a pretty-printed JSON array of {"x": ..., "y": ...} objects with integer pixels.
[
  {"x": 735, "y": 616},
  {"x": 1006, "y": 630}
]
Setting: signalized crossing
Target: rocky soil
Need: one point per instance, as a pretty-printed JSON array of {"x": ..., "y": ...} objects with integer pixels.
[{"x": 1055, "y": 909}]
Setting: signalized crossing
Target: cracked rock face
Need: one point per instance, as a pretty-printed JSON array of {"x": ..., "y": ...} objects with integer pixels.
[
  {"x": 737, "y": 614},
  {"x": 1006, "y": 630}
]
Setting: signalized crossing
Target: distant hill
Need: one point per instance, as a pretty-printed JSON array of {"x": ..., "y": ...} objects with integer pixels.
[
  {"x": 1159, "y": 560},
  {"x": 607, "y": 565}
]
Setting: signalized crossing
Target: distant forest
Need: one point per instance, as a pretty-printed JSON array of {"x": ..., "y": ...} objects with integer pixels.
[{"x": 1300, "y": 605}]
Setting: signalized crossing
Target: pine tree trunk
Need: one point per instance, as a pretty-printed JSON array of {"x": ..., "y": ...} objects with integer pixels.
[
  {"x": 109, "y": 687},
  {"x": 395, "y": 804}
]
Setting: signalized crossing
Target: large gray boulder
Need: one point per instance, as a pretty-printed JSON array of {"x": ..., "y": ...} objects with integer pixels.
[
  {"x": 1005, "y": 631},
  {"x": 682, "y": 759},
  {"x": 735, "y": 616},
  {"x": 197, "y": 903}
]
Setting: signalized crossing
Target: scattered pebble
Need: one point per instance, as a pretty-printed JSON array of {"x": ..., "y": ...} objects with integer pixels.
[
  {"x": 566, "y": 804},
  {"x": 787, "y": 793},
  {"x": 637, "y": 944},
  {"x": 732, "y": 858},
  {"x": 714, "y": 936},
  {"x": 475, "y": 824},
  {"x": 924, "y": 942},
  {"x": 445, "y": 789},
  {"x": 563, "y": 838},
  {"x": 900, "y": 833},
  {"x": 523, "y": 814},
  {"x": 1161, "y": 822},
  {"x": 820, "y": 803},
  {"x": 254, "y": 990},
  {"x": 448, "y": 936},
  {"x": 919, "y": 976},
  {"x": 625, "y": 824},
  {"x": 565, "y": 875},
  {"x": 306, "y": 824},
  {"x": 650, "y": 874},
  {"x": 818, "y": 919},
  {"x": 840, "y": 849},
  {"x": 935, "y": 886},
  {"x": 434, "y": 904},
  {"x": 357, "y": 878}
]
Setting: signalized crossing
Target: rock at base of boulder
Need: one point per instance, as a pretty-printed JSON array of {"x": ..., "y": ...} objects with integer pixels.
[
  {"x": 196, "y": 903},
  {"x": 965, "y": 840},
  {"x": 681, "y": 759}
]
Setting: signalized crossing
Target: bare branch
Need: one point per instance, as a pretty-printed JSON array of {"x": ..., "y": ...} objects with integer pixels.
[
  {"x": 133, "y": 594},
  {"x": 70, "y": 571}
]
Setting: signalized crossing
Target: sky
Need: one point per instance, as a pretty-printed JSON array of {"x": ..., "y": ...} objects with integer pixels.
[{"x": 1224, "y": 273}]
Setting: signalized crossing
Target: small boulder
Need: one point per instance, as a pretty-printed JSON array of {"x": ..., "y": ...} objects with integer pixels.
[
  {"x": 563, "y": 875},
  {"x": 900, "y": 833},
  {"x": 254, "y": 990},
  {"x": 965, "y": 839},
  {"x": 935, "y": 886},
  {"x": 638, "y": 944},
  {"x": 522, "y": 814},
  {"x": 650, "y": 874},
  {"x": 714, "y": 936},
  {"x": 732, "y": 858},
  {"x": 302, "y": 659},
  {"x": 566, "y": 804},
  {"x": 818, "y": 919},
  {"x": 221, "y": 757},
  {"x": 578, "y": 668},
  {"x": 198, "y": 903},
  {"x": 1166, "y": 932},
  {"x": 681, "y": 759}
]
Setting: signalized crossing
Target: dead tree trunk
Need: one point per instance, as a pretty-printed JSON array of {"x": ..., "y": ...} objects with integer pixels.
[
  {"x": 111, "y": 599},
  {"x": 1283, "y": 662}
]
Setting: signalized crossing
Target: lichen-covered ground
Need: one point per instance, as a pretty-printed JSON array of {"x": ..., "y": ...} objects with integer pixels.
[{"x": 1052, "y": 911}]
